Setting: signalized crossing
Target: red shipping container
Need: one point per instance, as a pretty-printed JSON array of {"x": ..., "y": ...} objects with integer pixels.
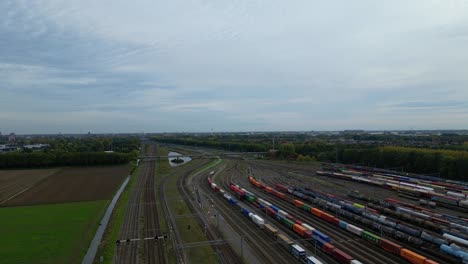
[
  {"x": 299, "y": 222},
  {"x": 328, "y": 248},
  {"x": 270, "y": 211},
  {"x": 281, "y": 187},
  {"x": 341, "y": 256},
  {"x": 390, "y": 246},
  {"x": 268, "y": 189},
  {"x": 428, "y": 261}
]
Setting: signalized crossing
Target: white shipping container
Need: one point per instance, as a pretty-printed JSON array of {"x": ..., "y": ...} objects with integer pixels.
[
  {"x": 308, "y": 227},
  {"x": 227, "y": 196},
  {"x": 258, "y": 220},
  {"x": 251, "y": 215},
  {"x": 282, "y": 213},
  {"x": 455, "y": 239},
  {"x": 355, "y": 262},
  {"x": 455, "y": 194},
  {"x": 312, "y": 260},
  {"x": 213, "y": 185},
  {"x": 354, "y": 229}
]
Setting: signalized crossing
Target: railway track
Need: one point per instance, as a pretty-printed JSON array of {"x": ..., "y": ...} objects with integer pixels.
[
  {"x": 261, "y": 243},
  {"x": 354, "y": 246},
  {"x": 225, "y": 252},
  {"x": 141, "y": 221},
  {"x": 325, "y": 226}
]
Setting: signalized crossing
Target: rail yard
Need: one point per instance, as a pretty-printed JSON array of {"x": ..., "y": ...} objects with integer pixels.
[
  {"x": 246, "y": 209},
  {"x": 280, "y": 212}
]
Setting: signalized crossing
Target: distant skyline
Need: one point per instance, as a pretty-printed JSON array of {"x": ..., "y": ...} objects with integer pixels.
[{"x": 195, "y": 66}]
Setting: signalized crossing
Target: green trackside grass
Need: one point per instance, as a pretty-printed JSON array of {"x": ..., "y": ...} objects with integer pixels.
[
  {"x": 162, "y": 169},
  {"x": 47, "y": 233},
  {"x": 107, "y": 246},
  {"x": 195, "y": 233},
  {"x": 179, "y": 207}
]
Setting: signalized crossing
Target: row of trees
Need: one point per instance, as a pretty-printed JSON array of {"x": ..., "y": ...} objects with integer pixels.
[
  {"x": 49, "y": 159},
  {"x": 450, "y": 164},
  {"x": 211, "y": 143},
  {"x": 88, "y": 144}
]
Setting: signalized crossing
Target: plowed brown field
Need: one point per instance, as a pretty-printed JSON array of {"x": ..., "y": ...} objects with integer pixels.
[
  {"x": 73, "y": 185},
  {"x": 13, "y": 182}
]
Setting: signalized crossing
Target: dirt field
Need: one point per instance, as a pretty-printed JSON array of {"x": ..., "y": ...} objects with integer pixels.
[
  {"x": 72, "y": 185},
  {"x": 13, "y": 182}
]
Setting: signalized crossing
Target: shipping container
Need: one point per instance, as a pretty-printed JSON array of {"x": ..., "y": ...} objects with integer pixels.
[
  {"x": 245, "y": 211},
  {"x": 300, "y": 230},
  {"x": 298, "y": 251},
  {"x": 354, "y": 229},
  {"x": 341, "y": 256},
  {"x": 288, "y": 223},
  {"x": 273, "y": 232},
  {"x": 258, "y": 220},
  {"x": 412, "y": 256},
  {"x": 298, "y": 203},
  {"x": 307, "y": 207},
  {"x": 321, "y": 235},
  {"x": 313, "y": 260},
  {"x": 276, "y": 209},
  {"x": 342, "y": 224},
  {"x": 319, "y": 242},
  {"x": 308, "y": 227},
  {"x": 390, "y": 246},
  {"x": 317, "y": 212},
  {"x": 328, "y": 247},
  {"x": 370, "y": 237},
  {"x": 284, "y": 241}
]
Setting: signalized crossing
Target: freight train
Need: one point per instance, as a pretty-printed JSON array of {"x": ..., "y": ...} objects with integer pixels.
[
  {"x": 295, "y": 249},
  {"x": 385, "y": 244}
]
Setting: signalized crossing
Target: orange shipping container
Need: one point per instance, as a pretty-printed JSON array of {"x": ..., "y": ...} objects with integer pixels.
[
  {"x": 299, "y": 229},
  {"x": 412, "y": 256},
  {"x": 268, "y": 189},
  {"x": 298, "y": 203},
  {"x": 316, "y": 212},
  {"x": 428, "y": 261}
]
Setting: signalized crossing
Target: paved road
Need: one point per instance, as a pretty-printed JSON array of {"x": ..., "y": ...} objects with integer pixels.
[{"x": 92, "y": 250}]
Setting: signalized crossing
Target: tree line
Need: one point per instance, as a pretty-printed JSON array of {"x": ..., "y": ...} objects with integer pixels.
[
  {"x": 50, "y": 159},
  {"x": 449, "y": 164}
]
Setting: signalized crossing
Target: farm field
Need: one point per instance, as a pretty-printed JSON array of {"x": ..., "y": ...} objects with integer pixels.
[
  {"x": 13, "y": 182},
  {"x": 72, "y": 185},
  {"x": 57, "y": 233}
]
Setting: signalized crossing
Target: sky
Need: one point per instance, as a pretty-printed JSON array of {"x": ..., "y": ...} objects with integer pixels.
[{"x": 216, "y": 65}]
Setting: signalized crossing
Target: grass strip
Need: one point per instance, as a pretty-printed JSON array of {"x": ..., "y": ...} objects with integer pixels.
[{"x": 107, "y": 247}]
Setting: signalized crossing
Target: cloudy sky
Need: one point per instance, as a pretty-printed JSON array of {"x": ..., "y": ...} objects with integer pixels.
[{"x": 239, "y": 65}]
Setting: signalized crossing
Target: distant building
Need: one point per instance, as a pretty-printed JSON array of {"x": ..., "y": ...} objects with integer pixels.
[
  {"x": 7, "y": 148},
  {"x": 36, "y": 146},
  {"x": 12, "y": 138}
]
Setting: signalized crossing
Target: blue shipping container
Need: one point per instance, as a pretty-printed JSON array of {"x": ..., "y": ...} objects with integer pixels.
[
  {"x": 319, "y": 242},
  {"x": 232, "y": 201},
  {"x": 276, "y": 209},
  {"x": 343, "y": 224},
  {"x": 245, "y": 212},
  {"x": 321, "y": 235}
]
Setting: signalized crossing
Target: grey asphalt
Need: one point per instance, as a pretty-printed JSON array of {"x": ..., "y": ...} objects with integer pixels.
[{"x": 93, "y": 247}]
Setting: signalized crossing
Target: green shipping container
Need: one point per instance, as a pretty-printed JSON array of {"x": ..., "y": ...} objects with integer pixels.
[
  {"x": 306, "y": 207},
  {"x": 370, "y": 237},
  {"x": 251, "y": 199},
  {"x": 288, "y": 222}
]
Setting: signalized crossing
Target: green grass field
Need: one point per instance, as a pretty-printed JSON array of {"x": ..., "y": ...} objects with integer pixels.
[{"x": 56, "y": 233}]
